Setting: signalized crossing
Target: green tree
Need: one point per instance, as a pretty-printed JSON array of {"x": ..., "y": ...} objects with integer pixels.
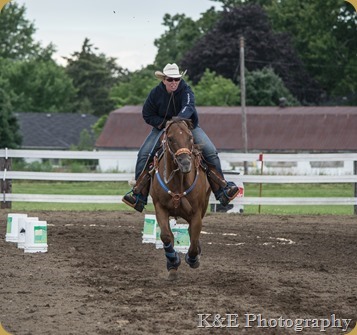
[
  {"x": 86, "y": 140},
  {"x": 99, "y": 125},
  {"x": 93, "y": 76},
  {"x": 41, "y": 86},
  {"x": 265, "y": 88},
  {"x": 7, "y": 71},
  {"x": 324, "y": 34},
  {"x": 213, "y": 90},
  {"x": 134, "y": 88},
  {"x": 180, "y": 36},
  {"x": 207, "y": 20},
  {"x": 16, "y": 34},
  {"x": 228, "y": 4},
  {"x": 182, "y": 32},
  {"x": 219, "y": 51},
  {"x": 9, "y": 128}
]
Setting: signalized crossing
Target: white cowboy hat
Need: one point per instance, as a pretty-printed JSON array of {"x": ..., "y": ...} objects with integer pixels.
[{"x": 171, "y": 71}]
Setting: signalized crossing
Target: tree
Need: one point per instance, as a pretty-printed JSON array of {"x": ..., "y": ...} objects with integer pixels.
[
  {"x": 324, "y": 34},
  {"x": 9, "y": 128},
  {"x": 99, "y": 125},
  {"x": 93, "y": 76},
  {"x": 134, "y": 88},
  {"x": 86, "y": 141},
  {"x": 218, "y": 50},
  {"x": 40, "y": 86},
  {"x": 213, "y": 90},
  {"x": 36, "y": 82},
  {"x": 265, "y": 88},
  {"x": 181, "y": 34},
  {"x": 16, "y": 34},
  {"x": 227, "y": 4}
]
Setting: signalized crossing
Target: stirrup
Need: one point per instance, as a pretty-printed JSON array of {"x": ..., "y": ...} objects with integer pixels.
[
  {"x": 228, "y": 194},
  {"x": 231, "y": 190},
  {"x": 136, "y": 201}
]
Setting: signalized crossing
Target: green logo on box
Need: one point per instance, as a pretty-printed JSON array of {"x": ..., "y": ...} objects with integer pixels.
[
  {"x": 149, "y": 226},
  {"x": 40, "y": 234},
  {"x": 9, "y": 225}
]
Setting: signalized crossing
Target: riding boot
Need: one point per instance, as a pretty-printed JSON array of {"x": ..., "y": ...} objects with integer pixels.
[
  {"x": 138, "y": 196},
  {"x": 224, "y": 191}
]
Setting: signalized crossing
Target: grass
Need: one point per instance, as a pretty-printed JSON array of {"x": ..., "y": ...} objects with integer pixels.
[
  {"x": 120, "y": 188},
  {"x": 301, "y": 190}
]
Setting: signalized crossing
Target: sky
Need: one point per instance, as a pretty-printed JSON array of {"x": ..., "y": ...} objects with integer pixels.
[{"x": 123, "y": 29}]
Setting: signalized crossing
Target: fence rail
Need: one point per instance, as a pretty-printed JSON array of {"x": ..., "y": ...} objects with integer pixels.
[
  {"x": 240, "y": 157},
  {"x": 7, "y": 175},
  {"x": 103, "y": 199},
  {"x": 254, "y": 179}
]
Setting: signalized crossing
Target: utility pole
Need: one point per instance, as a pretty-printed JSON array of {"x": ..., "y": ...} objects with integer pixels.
[
  {"x": 355, "y": 193},
  {"x": 242, "y": 89}
]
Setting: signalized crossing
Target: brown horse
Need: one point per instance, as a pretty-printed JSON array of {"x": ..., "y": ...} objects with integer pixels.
[{"x": 179, "y": 188}]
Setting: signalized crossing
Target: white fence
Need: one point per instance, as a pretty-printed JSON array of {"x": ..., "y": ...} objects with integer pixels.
[{"x": 6, "y": 174}]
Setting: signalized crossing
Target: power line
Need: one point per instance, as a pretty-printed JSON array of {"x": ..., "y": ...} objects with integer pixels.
[{"x": 294, "y": 64}]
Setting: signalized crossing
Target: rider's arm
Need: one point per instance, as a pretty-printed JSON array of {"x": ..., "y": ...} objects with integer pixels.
[
  {"x": 188, "y": 110},
  {"x": 150, "y": 114},
  {"x": 188, "y": 104}
]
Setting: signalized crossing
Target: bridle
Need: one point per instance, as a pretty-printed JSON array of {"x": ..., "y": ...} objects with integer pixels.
[
  {"x": 180, "y": 151},
  {"x": 176, "y": 197}
]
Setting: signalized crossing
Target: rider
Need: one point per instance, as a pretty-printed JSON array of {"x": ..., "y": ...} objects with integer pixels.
[{"x": 173, "y": 97}]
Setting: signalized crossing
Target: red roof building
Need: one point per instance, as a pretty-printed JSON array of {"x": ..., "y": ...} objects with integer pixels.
[{"x": 270, "y": 129}]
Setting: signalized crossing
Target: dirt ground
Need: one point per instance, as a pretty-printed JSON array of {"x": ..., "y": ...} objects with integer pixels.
[{"x": 99, "y": 278}]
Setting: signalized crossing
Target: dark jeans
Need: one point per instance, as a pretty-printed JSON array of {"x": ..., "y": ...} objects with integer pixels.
[{"x": 152, "y": 143}]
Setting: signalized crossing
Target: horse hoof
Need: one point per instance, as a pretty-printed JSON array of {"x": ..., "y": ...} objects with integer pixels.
[
  {"x": 194, "y": 263},
  {"x": 175, "y": 264},
  {"x": 172, "y": 275}
]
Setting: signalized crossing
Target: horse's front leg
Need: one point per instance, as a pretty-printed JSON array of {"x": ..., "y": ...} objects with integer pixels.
[
  {"x": 192, "y": 257},
  {"x": 173, "y": 260}
]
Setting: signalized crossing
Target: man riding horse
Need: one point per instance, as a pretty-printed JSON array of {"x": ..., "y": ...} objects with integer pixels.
[{"x": 173, "y": 97}]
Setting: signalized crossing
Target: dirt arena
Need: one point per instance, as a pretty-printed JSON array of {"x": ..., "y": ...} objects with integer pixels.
[{"x": 99, "y": 278}]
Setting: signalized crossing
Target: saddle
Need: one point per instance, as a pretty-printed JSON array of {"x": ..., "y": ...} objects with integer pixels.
[{"x": 216, "y": 180}]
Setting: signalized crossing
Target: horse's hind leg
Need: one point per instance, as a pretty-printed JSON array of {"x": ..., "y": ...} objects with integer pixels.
[{"x": 192, "y": 257}]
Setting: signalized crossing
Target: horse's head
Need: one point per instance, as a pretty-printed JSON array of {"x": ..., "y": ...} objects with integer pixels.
[{"x": 179, "y": 142}]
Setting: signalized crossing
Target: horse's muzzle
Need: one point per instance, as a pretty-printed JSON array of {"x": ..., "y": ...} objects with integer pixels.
[{"x": 184, "y": 163}]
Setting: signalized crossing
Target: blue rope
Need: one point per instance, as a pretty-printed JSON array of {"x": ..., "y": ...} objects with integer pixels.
[
  {"x": 161, "y": 182},
  {"x": 193, "y": 184}
]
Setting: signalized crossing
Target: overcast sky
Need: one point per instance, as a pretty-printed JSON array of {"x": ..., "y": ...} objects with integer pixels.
[{"x": 124, "y": 29}]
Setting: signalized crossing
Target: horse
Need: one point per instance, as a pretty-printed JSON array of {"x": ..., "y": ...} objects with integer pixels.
[{"x": 179, "y": 188}]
